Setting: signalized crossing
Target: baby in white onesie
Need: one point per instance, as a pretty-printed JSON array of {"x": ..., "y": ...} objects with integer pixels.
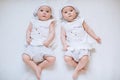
[
  {"x": 40, "y": 33},
  {"x": 74, "y": 31}
]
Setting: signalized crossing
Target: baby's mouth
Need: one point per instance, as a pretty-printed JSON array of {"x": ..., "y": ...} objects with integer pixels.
[
  {"x": 70, "y": 16},
  {"x": 43, "y": 16}
]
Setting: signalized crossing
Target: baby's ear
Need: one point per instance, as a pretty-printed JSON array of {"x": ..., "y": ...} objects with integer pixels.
[
  {"x": 77, "y": 14},
  {"x": 51, "y": 16}
]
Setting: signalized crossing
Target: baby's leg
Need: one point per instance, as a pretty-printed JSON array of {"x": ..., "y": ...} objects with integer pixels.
[
  {"x": 32, "y": 64},
  {"x": 81, "y": 65},
  {"x": 69, "y": 60},
  {"x": 48, "y": 61}
]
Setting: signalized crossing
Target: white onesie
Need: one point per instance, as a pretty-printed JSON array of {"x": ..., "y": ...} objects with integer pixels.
[
  {"x": 40, "y": 31},
  {"x": 77, "y": 38}
]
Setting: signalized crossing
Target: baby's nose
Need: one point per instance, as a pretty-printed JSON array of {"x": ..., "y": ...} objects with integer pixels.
[
  {"x": 44, "y": 13},
  {"x": 69, "y": 13}
]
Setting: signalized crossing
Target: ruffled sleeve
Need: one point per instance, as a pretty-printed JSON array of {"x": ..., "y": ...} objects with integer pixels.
[{"x": 32, "y": 21}]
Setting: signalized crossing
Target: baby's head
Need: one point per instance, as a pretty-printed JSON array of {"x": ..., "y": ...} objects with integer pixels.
[
  {"x": 69, "y": 13},
  {"x": 43, "y": 12}
]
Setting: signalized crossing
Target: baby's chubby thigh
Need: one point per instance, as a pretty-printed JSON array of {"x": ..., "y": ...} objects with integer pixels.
[
  {"x": 27, "y": 53},
  {"x": 26, "y": 58},
  {"x": 48, "y": 54},
  {"x": 34, "y": 53},
  {"x": 68, "y": 56},
  {"x": 84, "y": 53}
]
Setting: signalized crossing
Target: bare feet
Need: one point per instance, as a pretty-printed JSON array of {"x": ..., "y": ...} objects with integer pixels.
[
  {"x": 40, "y": 70},
  {"x": 38, "y": 73},
  {"x": 75, "y": 75}
]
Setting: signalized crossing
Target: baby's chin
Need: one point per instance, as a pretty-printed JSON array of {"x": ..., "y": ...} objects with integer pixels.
[
  {"x": 44, "y": 19},
  {"x": 70, "y": 20}
]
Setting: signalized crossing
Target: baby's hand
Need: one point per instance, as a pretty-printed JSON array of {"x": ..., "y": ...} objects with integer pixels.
[
  {"x": 28, "y": 40},
  {"x": 65, "y": 47},
  {"x": 98, "y": 39},
  {"x": 46, "y": 44}
]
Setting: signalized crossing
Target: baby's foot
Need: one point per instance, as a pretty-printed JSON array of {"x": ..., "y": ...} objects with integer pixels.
[
  {"x": 40, "y": 70},
  {"x": 75, "y": 75},
  {"x": 37, "y": 73}
]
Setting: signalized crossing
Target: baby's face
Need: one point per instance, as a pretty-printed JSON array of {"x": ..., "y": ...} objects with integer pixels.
[
  {"x": 69, "y": 13},
  {"x": 44, "y": 13}
]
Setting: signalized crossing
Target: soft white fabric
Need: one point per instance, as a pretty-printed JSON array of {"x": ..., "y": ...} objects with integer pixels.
[
  {"x": 77, "y": 38},
  {"x": 38, "y": 52},
  {"x": 77, "y": 54},
  {"x": 40, "y": 31}
]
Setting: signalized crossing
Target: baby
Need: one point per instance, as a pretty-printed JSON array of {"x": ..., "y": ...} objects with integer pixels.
[
  {"x": 74, "y": 33},
  {"x": 39, "y": 35}
]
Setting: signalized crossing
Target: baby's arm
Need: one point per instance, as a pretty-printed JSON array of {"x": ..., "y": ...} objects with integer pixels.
[
  {"x": 51, "y": 34},
  {"x": 28, "y": 33},
  {"x": 91, "y": 32},
  {"x": 63, "y": 39}
]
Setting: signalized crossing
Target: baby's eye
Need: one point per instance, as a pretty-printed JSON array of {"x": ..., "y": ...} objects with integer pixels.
[
  {"x": 41, "y": 10},
  {"x": 71, "y": 10},
  {"x": 65, "y": 12},
  {"x": 47, "y": 11}
]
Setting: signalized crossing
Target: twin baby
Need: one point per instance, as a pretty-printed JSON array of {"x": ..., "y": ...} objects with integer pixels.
[{"x": 41, "y": 32}]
